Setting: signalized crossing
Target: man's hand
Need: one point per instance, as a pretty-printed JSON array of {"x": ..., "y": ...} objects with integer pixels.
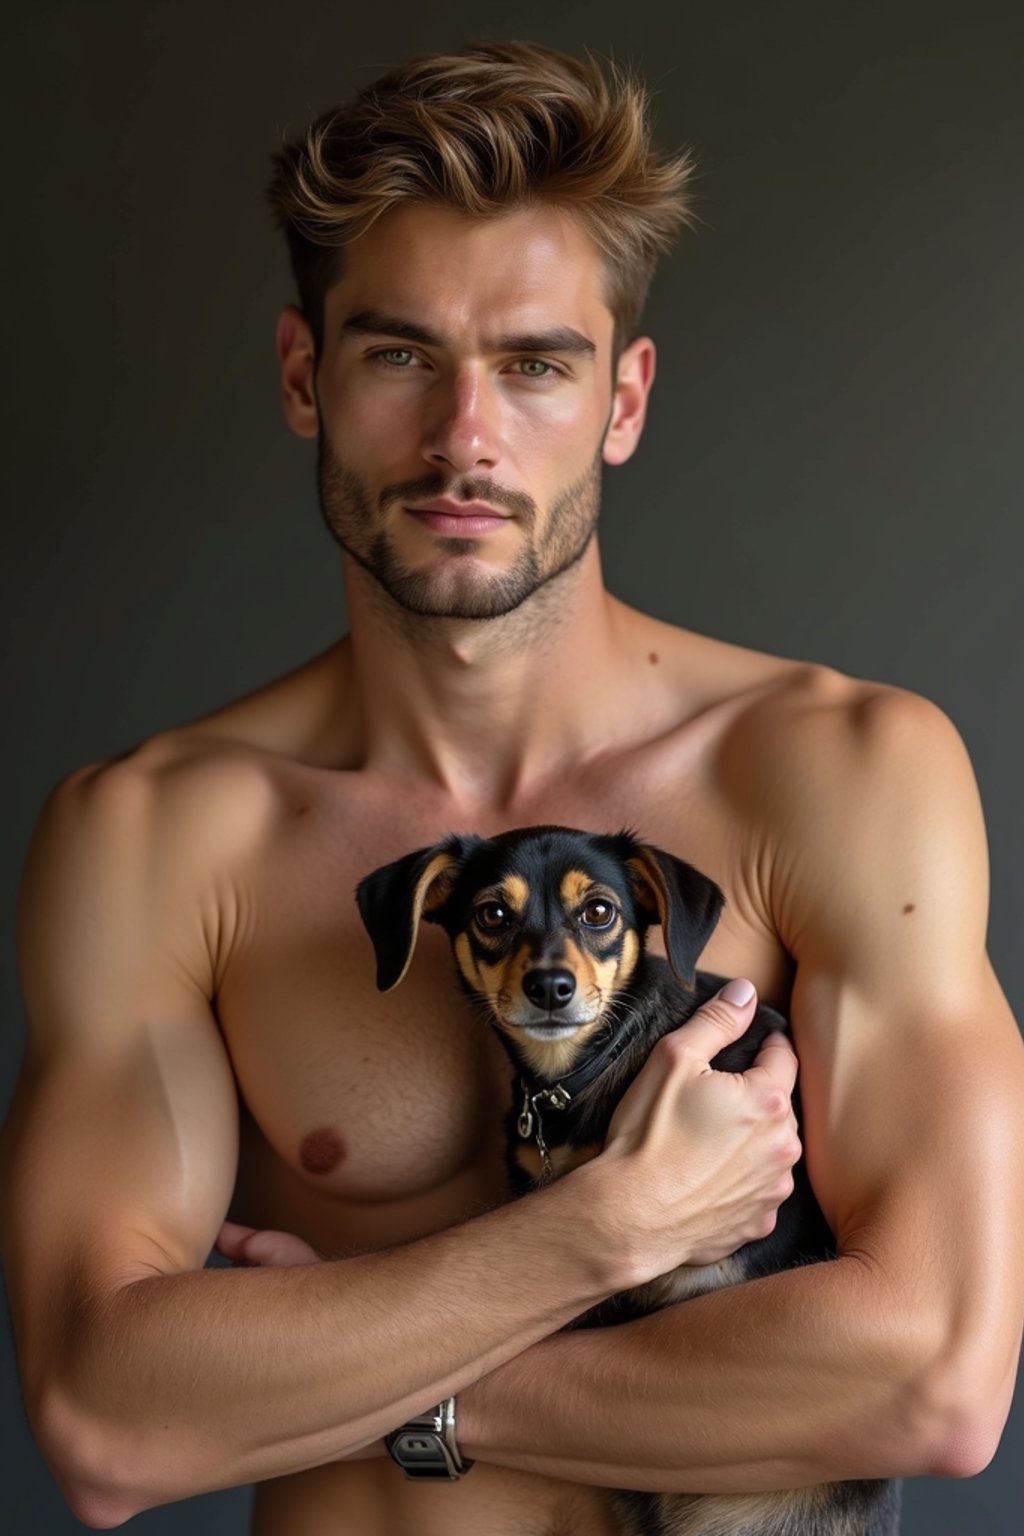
[
  {"x": 257, "y": 1248},
  {"x": 704, "y": 1157}
]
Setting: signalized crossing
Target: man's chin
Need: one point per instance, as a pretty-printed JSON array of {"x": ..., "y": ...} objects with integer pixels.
[
  {"x": 445, "y": 601},
  {"x": 459, "y": 589}
]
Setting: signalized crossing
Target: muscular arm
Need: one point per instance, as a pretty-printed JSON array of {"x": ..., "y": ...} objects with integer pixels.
[
  {"x": 900, "y": 1356},
  {"x": 148, "y": 1378}
]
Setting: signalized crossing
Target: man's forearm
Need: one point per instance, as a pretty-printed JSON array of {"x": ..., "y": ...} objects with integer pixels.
[
  {"x": 896, "y": 1358},
  {"x": 796, "y": 1379},
  {"x": 183, "y": 1382},
  {"x": 148, "y": 1380}
]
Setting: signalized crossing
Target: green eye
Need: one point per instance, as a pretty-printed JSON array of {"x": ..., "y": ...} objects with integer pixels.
[
  {"x": 491, "y": 916},
  {"x": 598, "y": 913},
  {"x": 395, "y": 357}
]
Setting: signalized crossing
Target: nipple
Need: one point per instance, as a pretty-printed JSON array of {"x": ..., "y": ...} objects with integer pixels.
[{"x": 321, "y": 1151}]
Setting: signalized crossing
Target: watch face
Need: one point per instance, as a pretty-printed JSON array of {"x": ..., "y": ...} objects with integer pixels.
[{"x": 418, "y": 1448}]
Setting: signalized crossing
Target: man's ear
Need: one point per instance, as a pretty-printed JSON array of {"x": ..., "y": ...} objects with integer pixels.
[
  {"x": 686, "y": 904},
  {"x": 394, "y": 898},
  {"x": 296, "y": 354},
  {"x": 634, "y": 376}
]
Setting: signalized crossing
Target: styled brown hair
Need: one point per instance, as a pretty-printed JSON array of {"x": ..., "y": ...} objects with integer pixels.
[{"x": 491, "y": 128}]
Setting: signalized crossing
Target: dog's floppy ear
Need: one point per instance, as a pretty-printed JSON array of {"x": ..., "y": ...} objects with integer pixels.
[
  {"x": 394, "y": 898},
  {"x": 686, "y": 904}
]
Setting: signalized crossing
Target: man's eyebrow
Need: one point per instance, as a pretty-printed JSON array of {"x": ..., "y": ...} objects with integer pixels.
[
  {"x": 372, "y": 322},
  {"x": 562, "y": 338}
]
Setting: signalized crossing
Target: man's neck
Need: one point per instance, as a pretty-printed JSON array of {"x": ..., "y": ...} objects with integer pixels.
[{"x": 487, "y": 710}]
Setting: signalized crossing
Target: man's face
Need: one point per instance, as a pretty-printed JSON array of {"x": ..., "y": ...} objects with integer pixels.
[{"x": 464, "y": 391}]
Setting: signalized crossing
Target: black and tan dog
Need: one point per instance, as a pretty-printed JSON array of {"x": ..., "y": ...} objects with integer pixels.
[{"x": 547, "y": 925}]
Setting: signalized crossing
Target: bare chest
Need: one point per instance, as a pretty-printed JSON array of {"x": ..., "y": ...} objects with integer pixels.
[{"x": 371, "y": 1118}]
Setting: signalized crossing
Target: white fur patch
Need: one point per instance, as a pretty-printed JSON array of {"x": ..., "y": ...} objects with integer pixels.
[
  {"x": 686, "y": 1281},
  {"x": 791, "y": 1513}
]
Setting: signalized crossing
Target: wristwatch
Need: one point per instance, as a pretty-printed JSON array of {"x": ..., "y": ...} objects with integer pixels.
[{"x": 425, "y": 1446}]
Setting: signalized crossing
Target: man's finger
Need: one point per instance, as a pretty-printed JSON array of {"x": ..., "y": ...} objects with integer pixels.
[
  {"x": 279, "y": 1249},
  {"x": 777, "y": 1060},
  {"x": 716, "y": 1024},
  {"x": 261, "y": 1248},
  {"x": 721, "y": 1020},
  {"x": 232, "y": 1238}
]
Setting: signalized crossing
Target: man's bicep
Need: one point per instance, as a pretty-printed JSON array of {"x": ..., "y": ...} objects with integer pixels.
[
  {"x": 911, "y": 1065},
  {"x": 119, "y": 1164},
  {"x": 901, "y": 1106},
  {"x": 880, "y": 894},
  {"x": 121, "y": 1147}
]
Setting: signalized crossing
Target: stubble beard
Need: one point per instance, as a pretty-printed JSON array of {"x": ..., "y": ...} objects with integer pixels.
[{"x": 459, "y": 590}]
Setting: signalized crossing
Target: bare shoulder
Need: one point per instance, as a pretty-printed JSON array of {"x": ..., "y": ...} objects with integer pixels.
[
  {"x": 175, "y": 789},
  {"x": 787, "y": 728},
  {"x": 135, "y": 859},
  {"x": 795, "y": 744},
  {"x": 867, "y": 806},
  {"x": 811, "y": 738}
]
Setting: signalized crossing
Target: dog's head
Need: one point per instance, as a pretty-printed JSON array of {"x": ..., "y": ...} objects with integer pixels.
[{"x": 547, "y": 923}]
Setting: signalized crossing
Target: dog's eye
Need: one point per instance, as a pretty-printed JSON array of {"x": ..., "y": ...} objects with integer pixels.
[
  {"x": 491, "y": 915},
  {"x": 598, "y": 913}
]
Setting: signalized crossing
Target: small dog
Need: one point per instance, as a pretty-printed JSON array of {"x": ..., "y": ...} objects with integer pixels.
[{"x": 548, "y": 925}]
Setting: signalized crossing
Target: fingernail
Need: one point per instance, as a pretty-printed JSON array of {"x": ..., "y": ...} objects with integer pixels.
[{"x": 739, "y": 991}]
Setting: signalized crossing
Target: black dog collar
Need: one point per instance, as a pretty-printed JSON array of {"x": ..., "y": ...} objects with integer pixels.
[{"x": 558, "y": 1095}]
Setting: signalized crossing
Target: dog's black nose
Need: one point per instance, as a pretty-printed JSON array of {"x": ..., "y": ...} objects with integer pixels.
[{"x": 549, "y": 989}]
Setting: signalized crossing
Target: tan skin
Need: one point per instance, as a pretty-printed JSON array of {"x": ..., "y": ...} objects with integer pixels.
[{"x": 189, "y": 945}]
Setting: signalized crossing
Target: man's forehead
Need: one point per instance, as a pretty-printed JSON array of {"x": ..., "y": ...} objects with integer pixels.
[{"x": 435, "y": 276}]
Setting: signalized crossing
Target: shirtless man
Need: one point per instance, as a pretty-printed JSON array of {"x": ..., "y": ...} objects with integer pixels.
[{"x": 206, "y": 1033}]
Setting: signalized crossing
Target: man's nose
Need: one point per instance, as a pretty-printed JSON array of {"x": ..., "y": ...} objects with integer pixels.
[{"x": 465, "y": 432}]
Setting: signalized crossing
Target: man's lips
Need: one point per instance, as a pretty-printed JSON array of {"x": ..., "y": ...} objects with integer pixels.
[{"x": 459, "y": 518}]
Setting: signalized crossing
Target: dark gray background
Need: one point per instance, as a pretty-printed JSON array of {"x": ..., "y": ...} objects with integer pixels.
[{"x": 830, "y": 471}]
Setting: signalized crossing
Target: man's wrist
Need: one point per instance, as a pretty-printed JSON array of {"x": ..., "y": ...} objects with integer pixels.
[
  {"x": 601, "y": 1190},
  {"x": 472, "y": 1415}
]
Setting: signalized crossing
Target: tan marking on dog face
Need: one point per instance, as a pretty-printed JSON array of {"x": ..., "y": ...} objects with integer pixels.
[
  {"x": 596, "y": 978},
  {"x": 629, "y": 956},
  {"x": 467, "y": 960},
  {"x": 492, "y": 975},
  {"x": 606, "y": 974},
  {"x": 506, "y": 974},
  {"x": 516, "y": 893},
  {"x": 596, "y": 981},
  {"x": 573, "y": 889}
]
